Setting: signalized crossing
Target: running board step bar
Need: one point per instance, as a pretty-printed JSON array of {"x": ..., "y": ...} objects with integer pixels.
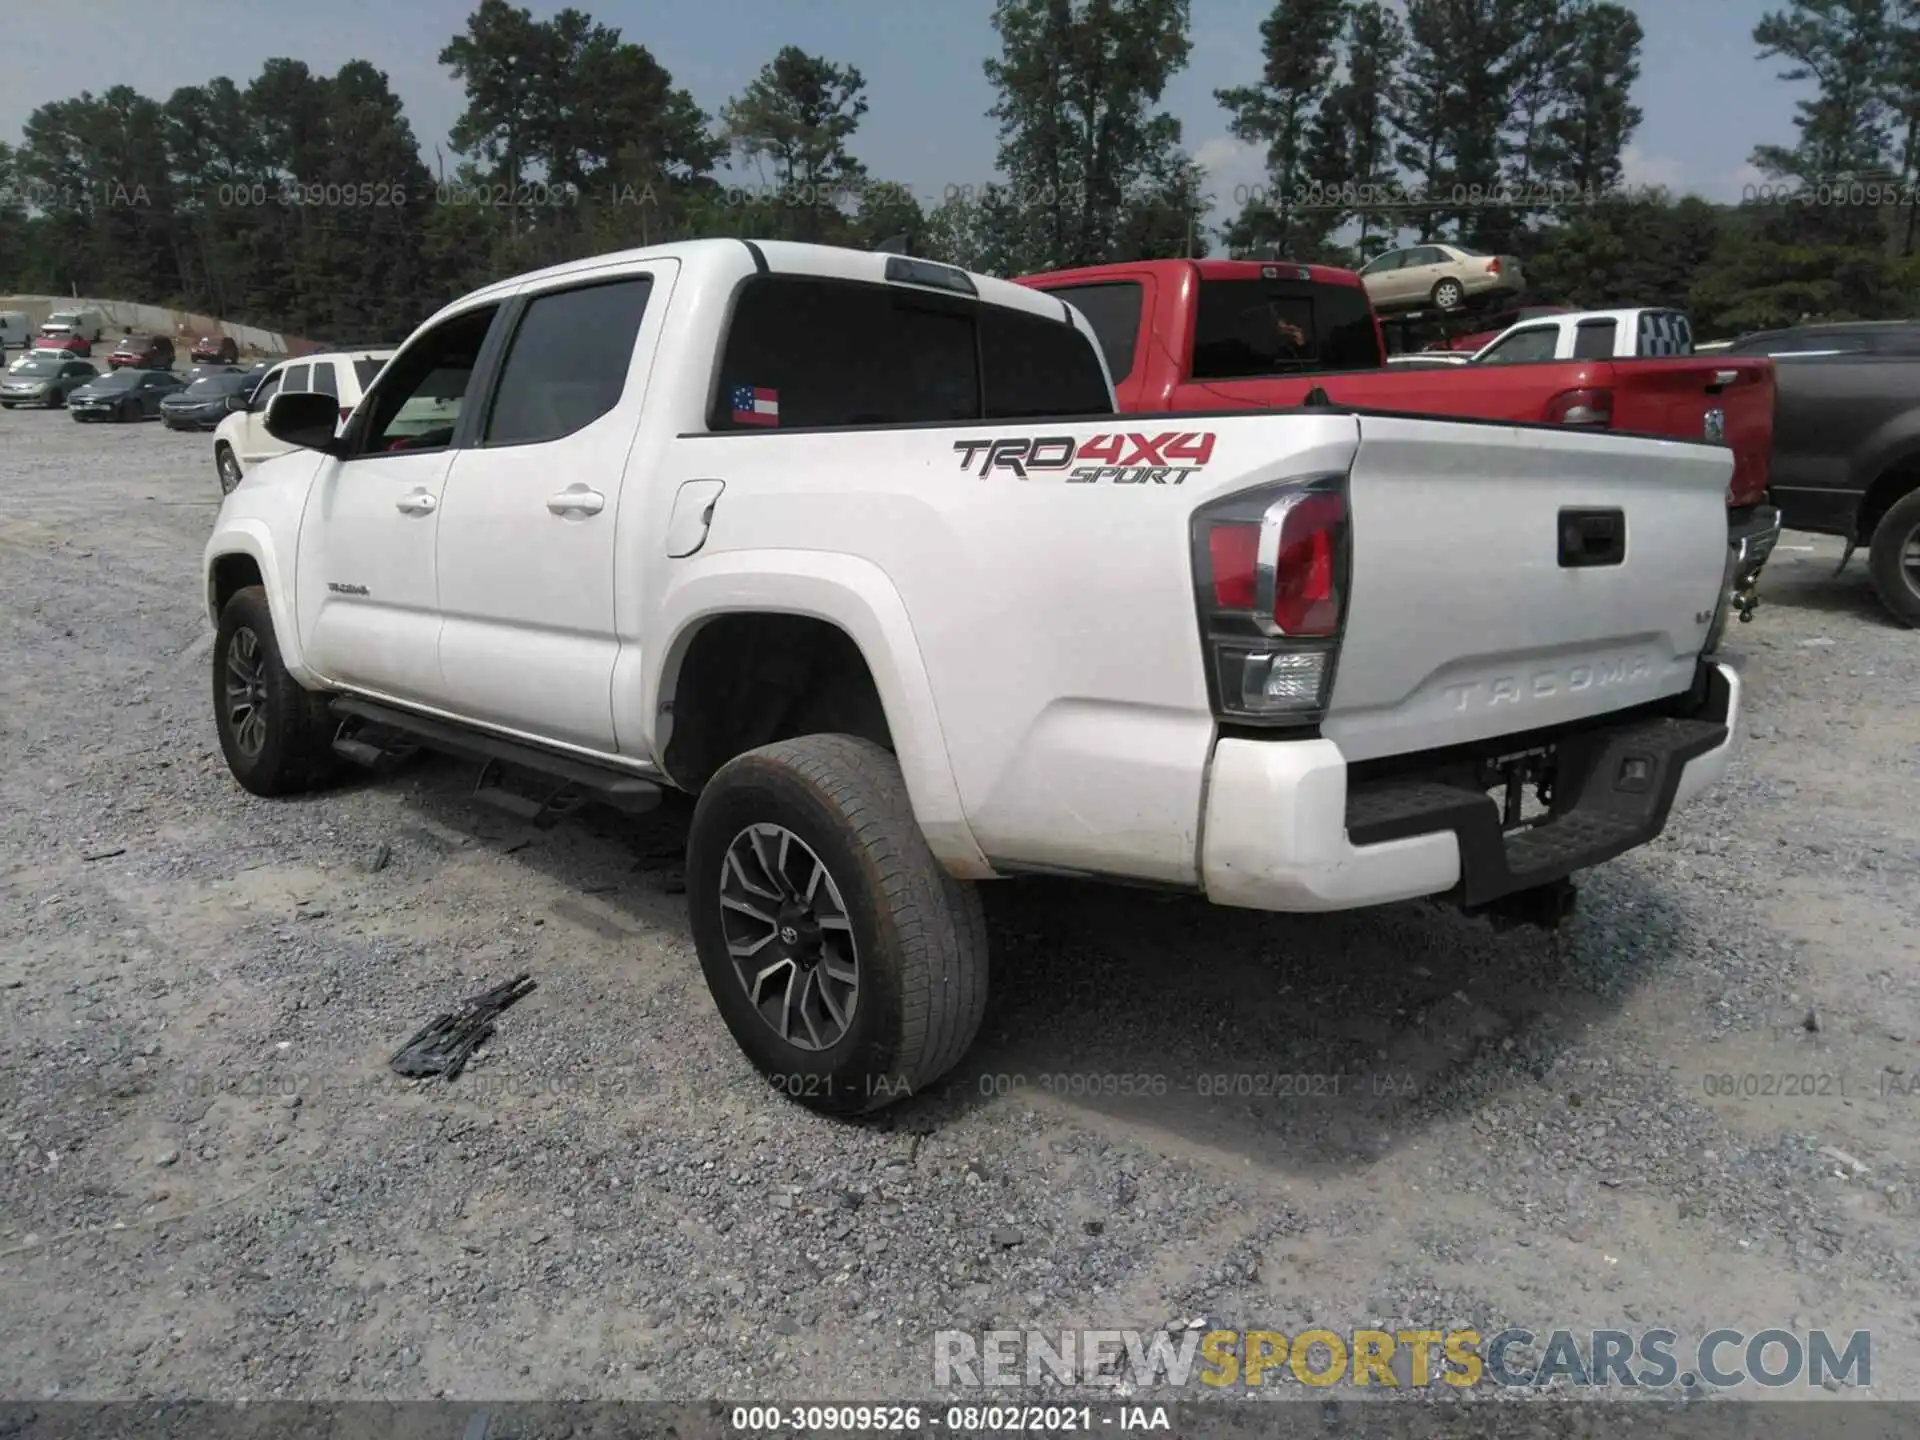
[
  {"x": 374, "y": 746},
  {"x": 540, "y": 811},
  {"x": 576, "y": 781}
]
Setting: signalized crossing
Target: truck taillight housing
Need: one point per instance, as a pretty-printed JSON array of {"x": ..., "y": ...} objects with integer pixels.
[
  {"x": 1592, "y": 407},
  {"x": 1271, "y": 573}
]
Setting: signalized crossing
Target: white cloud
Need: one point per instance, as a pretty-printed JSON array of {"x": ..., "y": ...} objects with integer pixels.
[
  {"x": 1235, "y": 170},
  {"x": 1642, "y": 171},
  {"x": 1734, "y": 186}
]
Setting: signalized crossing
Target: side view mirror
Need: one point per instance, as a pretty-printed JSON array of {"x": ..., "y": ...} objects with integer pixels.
[{"x": 305, "y": 419}]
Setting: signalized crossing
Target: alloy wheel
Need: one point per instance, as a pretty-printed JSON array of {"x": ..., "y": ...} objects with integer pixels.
[
  {"x": 247, "y": 692},
  {"x": 1910, "y": 560},
  {"x": 790, "y": 937}
]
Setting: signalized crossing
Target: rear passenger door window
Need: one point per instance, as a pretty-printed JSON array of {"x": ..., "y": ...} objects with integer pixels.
[
  {"x": 1036, "y": 368},
  {"x": 567, "y": 363},
  {"x": 1113, "y": 310},
  {"x": 803, "y": 352},
  {"x": 1594, "y": 339},
  {"x": 1523, "y": 347},
  {"x": 808, "y": 352}
]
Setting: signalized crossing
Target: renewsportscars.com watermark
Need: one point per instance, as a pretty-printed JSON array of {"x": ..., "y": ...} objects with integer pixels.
[{"x": 1402, "y": 1359}]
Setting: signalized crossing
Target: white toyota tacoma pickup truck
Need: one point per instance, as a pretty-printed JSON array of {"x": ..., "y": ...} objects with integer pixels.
[{"x": 855, "y": 548}]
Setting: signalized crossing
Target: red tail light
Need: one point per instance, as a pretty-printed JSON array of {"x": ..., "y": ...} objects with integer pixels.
[
  {"x": 1272, "y": 589},
  {"x": 345, "y": 411},
  {"x": 1306, "y": 599},
  {"x": 1581, "y": 407},
  {"x": 1234, "y": 550},
  {"x": 1493, "y": 266}
]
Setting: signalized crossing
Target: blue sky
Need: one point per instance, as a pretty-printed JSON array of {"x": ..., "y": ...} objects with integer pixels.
[{"x": 1707, "y": 99}]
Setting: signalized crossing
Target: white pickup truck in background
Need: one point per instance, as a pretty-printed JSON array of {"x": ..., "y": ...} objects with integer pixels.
[
  {"x": 1645, "y": 333},
  {"x": 855, "y": 548}
]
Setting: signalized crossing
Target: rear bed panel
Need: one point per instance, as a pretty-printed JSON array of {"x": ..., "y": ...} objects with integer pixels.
[{"x": 1463, "y": 625}]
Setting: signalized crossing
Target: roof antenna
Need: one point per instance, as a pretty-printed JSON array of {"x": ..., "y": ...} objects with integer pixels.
[
  {"x": 894, "y": 244},
  {"x": 1317, "y": 396}
]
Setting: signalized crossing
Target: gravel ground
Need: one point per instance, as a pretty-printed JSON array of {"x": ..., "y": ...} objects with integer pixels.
[{"x": 215, "y": 1189}]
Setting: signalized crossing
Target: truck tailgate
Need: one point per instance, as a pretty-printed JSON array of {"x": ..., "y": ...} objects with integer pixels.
[
  {"x": 1465, "y": 618},
  {"x": 1678, "y": 397}
]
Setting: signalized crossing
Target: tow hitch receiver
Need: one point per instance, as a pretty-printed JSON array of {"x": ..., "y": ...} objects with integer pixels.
[
  {"x": 1543, "y": 907},
  {"x": 1510, "y": 775}
]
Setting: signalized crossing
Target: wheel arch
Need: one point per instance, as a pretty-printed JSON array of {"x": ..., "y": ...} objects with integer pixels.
[
  {"x": 857, "y": 599},
  {"x": 1897, "y": 478},
  {"x": 243, "y": 553}
]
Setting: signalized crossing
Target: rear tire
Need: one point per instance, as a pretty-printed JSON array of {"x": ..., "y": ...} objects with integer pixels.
[
  {"x": 1894, "y": 560},
  {"x": 275, "y": 734},
  {"x": 859, "y": 897}
]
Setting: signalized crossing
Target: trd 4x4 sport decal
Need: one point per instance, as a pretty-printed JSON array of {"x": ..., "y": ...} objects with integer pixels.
[{"x": 1117, "y": 459}]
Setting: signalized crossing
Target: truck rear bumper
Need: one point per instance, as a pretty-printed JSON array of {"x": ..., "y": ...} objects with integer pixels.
[
  {"x": 1285, "y": 831},
  {"x": 1753, "y": 533}
]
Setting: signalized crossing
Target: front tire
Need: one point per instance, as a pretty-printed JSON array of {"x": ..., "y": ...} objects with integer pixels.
[
  {"x": 1894, "y": 560},
  {"x": 849, "y": 966},
  {"x": 273, "y": 732},
  {"x": 1448, "y": 295}
]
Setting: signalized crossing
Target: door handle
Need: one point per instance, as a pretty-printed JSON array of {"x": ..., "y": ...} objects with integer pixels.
[
  {"x": 418, "y": 502},
  {"x": 1592, "y": 537},
  {"x": 577, "y": 498}
]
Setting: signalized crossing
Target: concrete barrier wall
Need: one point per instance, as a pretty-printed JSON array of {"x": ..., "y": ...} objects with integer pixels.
[{"x": 118, "y": 315}]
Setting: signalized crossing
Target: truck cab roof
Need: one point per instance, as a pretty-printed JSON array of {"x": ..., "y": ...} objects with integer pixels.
[{"x": 724, "y": 261}]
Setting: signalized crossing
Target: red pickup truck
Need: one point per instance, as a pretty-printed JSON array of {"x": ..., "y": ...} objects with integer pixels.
[{"x": 1247, "y": 334}]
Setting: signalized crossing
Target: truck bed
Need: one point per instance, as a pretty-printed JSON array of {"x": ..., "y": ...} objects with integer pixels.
[{"x": 1085, "y": 744}]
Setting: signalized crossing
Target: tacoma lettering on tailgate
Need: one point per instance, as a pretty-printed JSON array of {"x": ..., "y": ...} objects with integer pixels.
[
  {"x": 1120, "y": 459},
  {"x": 1512, "y": 689}
]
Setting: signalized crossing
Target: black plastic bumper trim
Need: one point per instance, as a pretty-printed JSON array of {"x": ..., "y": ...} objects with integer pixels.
[{"x": 1597, "y": 814}]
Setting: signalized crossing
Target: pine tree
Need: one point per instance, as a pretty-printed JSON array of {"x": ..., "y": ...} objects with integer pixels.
[
  {"x": 1305, "y": 153},
  {"x": 1081, "y": 141}
]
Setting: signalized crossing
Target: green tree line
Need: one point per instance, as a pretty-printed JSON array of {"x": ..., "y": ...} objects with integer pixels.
[{"x": 304, "y": 202}]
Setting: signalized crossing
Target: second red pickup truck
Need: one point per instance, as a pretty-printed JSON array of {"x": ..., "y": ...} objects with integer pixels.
[{"x": 1243, "y": 334}]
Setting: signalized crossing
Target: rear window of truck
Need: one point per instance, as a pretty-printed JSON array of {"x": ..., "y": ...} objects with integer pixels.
[
  {"x": 1664, "y": 333},
  {"x": 1246, "y": 329},
  {"x": 803, "y": 352}
]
